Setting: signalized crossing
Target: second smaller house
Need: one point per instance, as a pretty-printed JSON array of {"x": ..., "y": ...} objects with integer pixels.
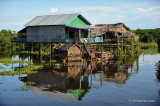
[
  {"x": 118, "y": 30},
  {"x": 70, "y": 52}
]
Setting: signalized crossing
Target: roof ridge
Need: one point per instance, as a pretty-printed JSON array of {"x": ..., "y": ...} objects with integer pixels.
[{"x": 58, "y": 14}]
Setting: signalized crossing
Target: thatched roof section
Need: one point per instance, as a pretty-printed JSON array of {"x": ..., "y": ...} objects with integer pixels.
[
  {"x": 64, "y": 46},
  {"x": 112, "y": 28}
]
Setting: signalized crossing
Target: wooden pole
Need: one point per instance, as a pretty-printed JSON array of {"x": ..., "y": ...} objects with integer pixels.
[
  {"x": 122, "y": 46},
  {"x": 28, "y": 50},
  {"x": 39, "y": 53},
  {"x": 18, "y": 50},
  {"x": 80, "y": 33},
  {"x": 51, "y": 53},
  {"x": 118, "y": 45},
  {"x": 101, "y": 49},
  {"x": 90, "y": 33}
]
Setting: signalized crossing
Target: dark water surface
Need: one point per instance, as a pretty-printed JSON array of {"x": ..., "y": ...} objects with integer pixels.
[{"x": 85, "y": 83}]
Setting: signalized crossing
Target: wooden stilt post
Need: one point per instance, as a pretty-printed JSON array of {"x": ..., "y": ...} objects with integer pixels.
[
  {"x": 28, "y": 50},
  {"x": 80, "y": 33},
  {"x": 18, "y": 51},
  {"x": 101, "y": 49},
  {"x": 118, "y": 46},
  {"x": 90, "y": 33},
  {"x": 50, "y": 51},
  {"x": 122, "y": 45},
  {"x": 39, "y": 53}
]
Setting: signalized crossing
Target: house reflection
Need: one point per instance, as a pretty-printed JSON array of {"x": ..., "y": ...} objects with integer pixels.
[
  {"x": 66, "y": 80},
  {"x": 76, "y": 78},
  {"x": 111, "y": 73},
  {"x": 115, "y": 71}
]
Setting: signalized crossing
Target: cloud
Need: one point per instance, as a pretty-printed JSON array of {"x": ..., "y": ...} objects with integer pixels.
[
  {"x": 53, "y": 10},
  {"x": 156, "y": 8},
  {"x": 152, "y": 13}
]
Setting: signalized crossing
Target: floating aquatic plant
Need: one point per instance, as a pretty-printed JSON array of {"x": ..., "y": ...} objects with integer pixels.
[
  {"x": 9, "y": 61},
  {"x": 30, "y": 83},
  {"x": 57, "y": 67},
  {"x": 76, "y": 92},
  {"x": 30, "y": 69},
  {"x": 53, "y": 61},
  {"x": 24, "y": 88},
  {"x": 16, "y": 72},
  {"x": 34, "y": 52},
  {"x": 2, "y": 67}
]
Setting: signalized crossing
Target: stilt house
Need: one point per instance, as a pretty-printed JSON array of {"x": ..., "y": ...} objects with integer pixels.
[{"x": 58, "y": 28}]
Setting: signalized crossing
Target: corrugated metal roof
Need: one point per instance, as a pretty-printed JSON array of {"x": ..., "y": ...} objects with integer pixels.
[{"x": 61, "y": 19}]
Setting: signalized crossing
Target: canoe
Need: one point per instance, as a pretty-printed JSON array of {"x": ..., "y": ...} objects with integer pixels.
[{"x": 100, "y": 59}]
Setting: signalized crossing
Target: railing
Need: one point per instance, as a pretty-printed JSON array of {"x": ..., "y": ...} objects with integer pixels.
[
  {"x": 21, "y": 39},
  {"x": 91, "y": 40}
]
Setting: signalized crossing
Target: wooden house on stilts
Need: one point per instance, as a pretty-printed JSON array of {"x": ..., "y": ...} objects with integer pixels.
[
  {"x": 58, "y": 28},
  {"x": 62, "y": 28}
]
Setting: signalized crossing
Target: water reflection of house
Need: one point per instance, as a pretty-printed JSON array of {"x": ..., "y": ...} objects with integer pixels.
[
  {"x": 118, "y": 77},
  {"x": 111, "y": 73},
  {"x": 60, "y": 82},
  {"x": 74, "y": 69}
]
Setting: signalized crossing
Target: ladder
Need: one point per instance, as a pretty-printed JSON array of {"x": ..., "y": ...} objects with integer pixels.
[{"x": 88, "y": 47}]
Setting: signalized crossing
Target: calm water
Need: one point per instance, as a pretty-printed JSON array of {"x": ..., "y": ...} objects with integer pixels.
[{"x": 85, "y": 83}]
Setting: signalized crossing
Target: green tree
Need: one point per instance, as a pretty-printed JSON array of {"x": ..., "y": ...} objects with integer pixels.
[{"x": 6, "y": 36}]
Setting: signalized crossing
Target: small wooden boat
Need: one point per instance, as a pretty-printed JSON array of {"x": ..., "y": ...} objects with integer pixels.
[{"x": 100, "y": 59}]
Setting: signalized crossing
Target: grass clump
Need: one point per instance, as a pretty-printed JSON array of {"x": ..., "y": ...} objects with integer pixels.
[
  {"x": 34, "y": 52},
  {"x": 2, "y": 67},
  {"x": 76, "y": 92},
  {"x": 30, "y": 83},
  {"x": 9, "y": 61},
  {"x": 16, "y": 72},
  {"x": 30, "y": 69},
  {"x": 53, "y": 61},
  {"x": 24, "y": 88}
]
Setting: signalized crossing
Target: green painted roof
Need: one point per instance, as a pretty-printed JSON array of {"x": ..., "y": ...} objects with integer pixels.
[{"x": 78, "y": 21}]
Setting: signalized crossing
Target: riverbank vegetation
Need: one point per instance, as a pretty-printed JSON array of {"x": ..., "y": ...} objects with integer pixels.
[
  {"x": 149, "y": 40},
  {"x": 149, "y": 47},
  {"x": 148, "y": 35},
  {"x": 6, "y": 38}
]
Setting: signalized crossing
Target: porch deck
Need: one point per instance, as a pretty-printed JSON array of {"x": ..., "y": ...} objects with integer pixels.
[{"x": 91, "y": 40}]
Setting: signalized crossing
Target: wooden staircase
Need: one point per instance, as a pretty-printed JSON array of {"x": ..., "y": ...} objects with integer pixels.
[{"x": 88, "y": 48}]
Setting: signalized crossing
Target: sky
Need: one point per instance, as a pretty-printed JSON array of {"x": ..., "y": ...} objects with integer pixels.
[{"x": 143, "y": 14}]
